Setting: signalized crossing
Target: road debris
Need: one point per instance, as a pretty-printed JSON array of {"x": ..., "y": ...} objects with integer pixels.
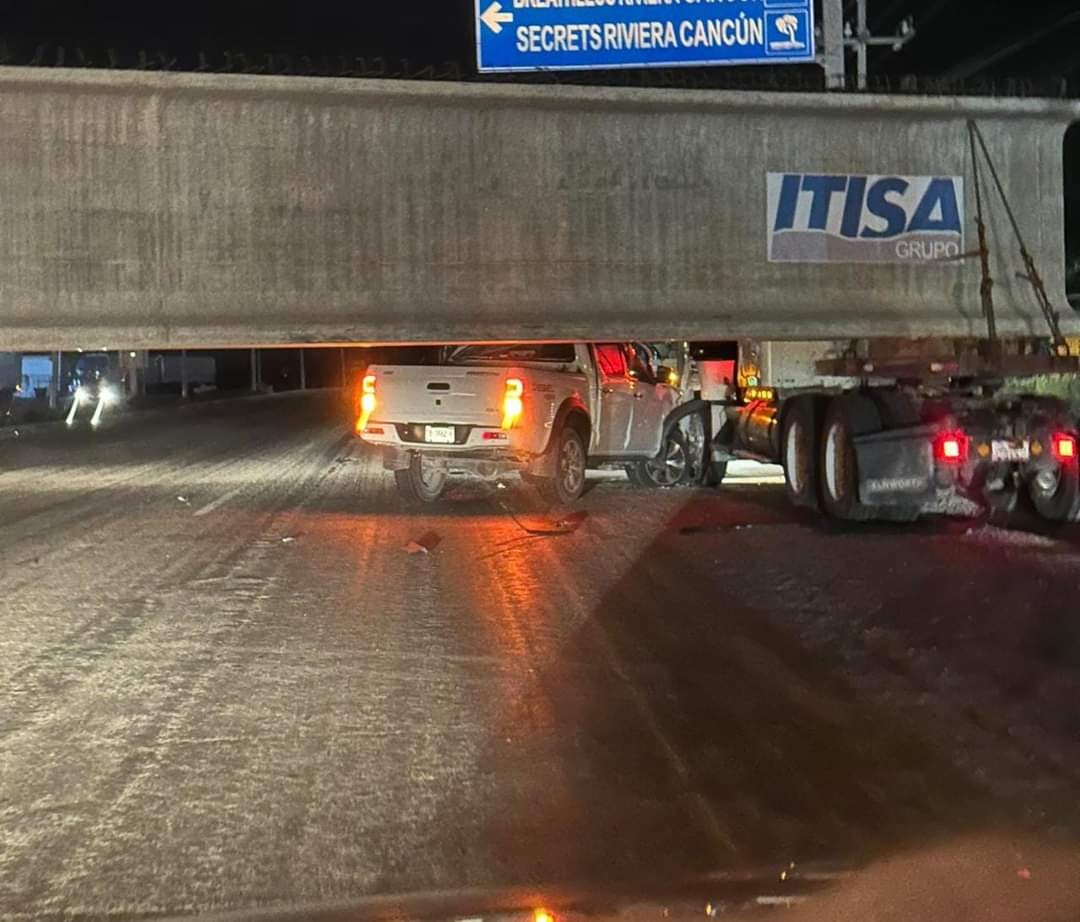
[
  {"x": 1006, "y": 536},
  {"x": 184, "y": 500},
  {"x": 709, "y": 528},
  {"x": 425, "y": 544},
  {"x": 571, "y": 522},
  {"x": 565, "y": 525}
]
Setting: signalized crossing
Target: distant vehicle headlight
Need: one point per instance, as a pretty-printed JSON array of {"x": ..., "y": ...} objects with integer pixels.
[
  {"x": 81, "y": 394},
  {"x": 108, "y": 393}
]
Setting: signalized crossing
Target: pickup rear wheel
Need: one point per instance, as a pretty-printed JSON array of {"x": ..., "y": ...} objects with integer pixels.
[
  {"x": 570, "y": 462},
  {"x": 422, "y": 481}
]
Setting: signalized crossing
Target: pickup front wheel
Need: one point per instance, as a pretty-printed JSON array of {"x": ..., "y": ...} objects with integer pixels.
[
  {"x": 570, "y": 462},
  {"x": 671, "y": 468},
  {"x": 422, "y": 481}
]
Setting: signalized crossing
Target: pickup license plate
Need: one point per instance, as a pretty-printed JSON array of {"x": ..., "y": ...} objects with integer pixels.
[
  {"x": 440, "y": 435},
  {"x": 1010, "y": 450}
]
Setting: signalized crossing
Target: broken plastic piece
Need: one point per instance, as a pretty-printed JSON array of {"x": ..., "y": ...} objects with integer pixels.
[
  {"x": 425, "y": 544},
  {"x": 571, "y": 522}
]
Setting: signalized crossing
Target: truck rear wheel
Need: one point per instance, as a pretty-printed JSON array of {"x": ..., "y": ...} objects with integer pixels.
[
  {"x": 798, "y": 451},
  {"x": 421, "y": 482},
  {"x": 570, "y": 462},
  {"x": 1055, "y": 493},
  {"x": 845, "y": 418}
]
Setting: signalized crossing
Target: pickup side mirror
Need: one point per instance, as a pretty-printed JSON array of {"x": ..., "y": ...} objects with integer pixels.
[{"x": 665, "y": 374}]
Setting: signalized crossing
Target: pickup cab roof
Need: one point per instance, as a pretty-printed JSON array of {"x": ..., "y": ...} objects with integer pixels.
[{"x": 556, "y": 353}]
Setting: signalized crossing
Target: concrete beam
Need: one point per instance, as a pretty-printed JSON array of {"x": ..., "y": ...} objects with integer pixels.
[{"x": 179, "y": 211}]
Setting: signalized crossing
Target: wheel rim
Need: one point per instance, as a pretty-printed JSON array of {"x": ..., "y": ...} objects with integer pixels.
[
  {"x": 698, "y": 459},
  {"x": 671, "y": 468},
  {"x": 1046, "y": 483},
  {"x": 793, "y": 457},
  {"x": 432, "y": 478},
  {"x": 834, "y": 462},
  {"x": 572, "y": 466}
]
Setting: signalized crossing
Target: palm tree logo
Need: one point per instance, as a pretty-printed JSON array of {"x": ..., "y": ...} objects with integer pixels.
[{"x": 788, "y": 26}]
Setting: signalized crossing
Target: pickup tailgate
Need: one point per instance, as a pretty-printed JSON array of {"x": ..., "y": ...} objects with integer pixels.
[{"x": 439, "y": 394}]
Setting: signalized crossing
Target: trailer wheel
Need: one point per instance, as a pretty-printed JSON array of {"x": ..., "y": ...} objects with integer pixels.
[
  {"x": 846, "y": 417},
  {"x": 798, "y": 451},
  {"x": 421, "y": 483},
  {"x": 1055, "y": 493}
]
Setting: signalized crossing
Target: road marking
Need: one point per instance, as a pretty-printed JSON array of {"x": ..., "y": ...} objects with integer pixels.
[{"x": 217, "y": 503}]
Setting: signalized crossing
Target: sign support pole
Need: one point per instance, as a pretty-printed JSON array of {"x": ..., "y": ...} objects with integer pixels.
[{"x": 832, "y": 37}]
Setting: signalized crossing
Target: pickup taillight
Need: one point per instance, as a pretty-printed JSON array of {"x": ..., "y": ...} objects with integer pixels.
[
  {"x": 367, "y": 402},
  {"x": 513, "y": 405}
]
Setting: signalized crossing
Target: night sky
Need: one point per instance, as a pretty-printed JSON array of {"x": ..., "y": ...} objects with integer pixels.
[{"x": 972, "y": 40}]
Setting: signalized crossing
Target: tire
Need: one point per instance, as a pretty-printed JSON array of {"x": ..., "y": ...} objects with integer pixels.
[
  {"x": 571, "y": 461},
  {"x": 419, "y": 487},
  {"x": 671, "y": 468},
  {"x": 838, "y": 476},
  {"x": 694, "y": 428},
  {"x": 1061, "y": 502},
  {"x": 715, "y": 473},
  {"x": 799, "y": 452}
]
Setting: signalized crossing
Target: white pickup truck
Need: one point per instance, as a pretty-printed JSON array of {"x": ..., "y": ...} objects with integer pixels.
[{"x": 547, "y": 411}]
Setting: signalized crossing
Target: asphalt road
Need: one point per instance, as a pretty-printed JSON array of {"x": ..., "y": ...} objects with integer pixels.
[{"x": 227, "y": 682}]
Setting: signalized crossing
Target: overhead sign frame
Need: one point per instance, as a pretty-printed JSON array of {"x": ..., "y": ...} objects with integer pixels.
[{"x": 542, "y": 35}]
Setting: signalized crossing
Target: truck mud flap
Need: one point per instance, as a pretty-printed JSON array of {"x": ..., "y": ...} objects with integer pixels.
[{"x": 896, "y": 467}]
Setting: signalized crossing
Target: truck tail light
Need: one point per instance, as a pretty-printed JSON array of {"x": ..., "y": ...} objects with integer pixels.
[
  {"x": 367, "y": 402},
  {"x": 512, "y": 405},
  {"x": 951, "y": 447},
  {"x": 1063, "y": 447}
]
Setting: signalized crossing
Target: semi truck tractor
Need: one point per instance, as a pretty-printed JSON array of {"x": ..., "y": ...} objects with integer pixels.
[{"x": 883, "y": 429}]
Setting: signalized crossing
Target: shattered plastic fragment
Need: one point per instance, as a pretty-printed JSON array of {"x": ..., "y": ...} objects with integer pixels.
[
  {"x": 425, "y": 544},
  {"x": 571, "y": 522}
]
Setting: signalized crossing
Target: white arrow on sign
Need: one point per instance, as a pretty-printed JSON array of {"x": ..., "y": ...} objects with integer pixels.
[{"x": 493, "y": 17}]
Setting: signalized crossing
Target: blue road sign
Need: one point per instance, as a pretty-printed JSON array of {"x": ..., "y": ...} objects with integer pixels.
[{"x": 517, "y": 35}]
